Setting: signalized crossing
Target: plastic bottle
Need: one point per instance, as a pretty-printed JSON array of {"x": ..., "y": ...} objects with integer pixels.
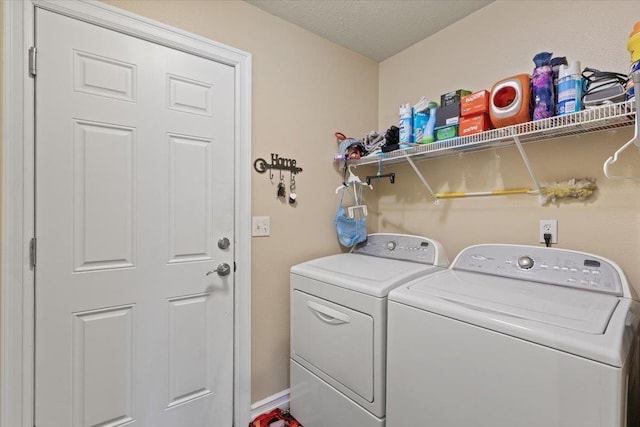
[
  {"x": 406, "y": 123},
  {"x": 633, "y": 46},
  {"x": 424, "y": 120},
  {"x": 542, "y": 90},
  {"x": 555, "y": 66},
  {"x": 569, "y": 88}
]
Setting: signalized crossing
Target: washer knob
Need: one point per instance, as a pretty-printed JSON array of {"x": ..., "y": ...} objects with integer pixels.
[
  {"x": 391, "y": 245},
  {"x": 525, "y": 262}
]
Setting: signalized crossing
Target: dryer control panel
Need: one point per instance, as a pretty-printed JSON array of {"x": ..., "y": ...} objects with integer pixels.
[
  {"x": 403, "y": 247},
  {"x": 545, "y": 265}
]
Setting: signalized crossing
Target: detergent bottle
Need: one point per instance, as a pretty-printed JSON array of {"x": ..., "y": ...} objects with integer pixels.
[
  {"x": 424, "y": 121},
  {"x": 633, "y": 46}
]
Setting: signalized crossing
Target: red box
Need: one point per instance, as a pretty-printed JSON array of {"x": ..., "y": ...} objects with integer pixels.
[
  {"x": 476, "y": 103},
  {"x": 474, "y": 124}
]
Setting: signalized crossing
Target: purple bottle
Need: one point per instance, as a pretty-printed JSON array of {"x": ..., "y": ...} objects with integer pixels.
[{"x": 542, "y": 91}]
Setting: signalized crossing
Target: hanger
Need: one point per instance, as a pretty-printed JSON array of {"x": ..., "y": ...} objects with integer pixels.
[
  {"x": 633, "y": 141},
  {"x": 352, "y": 179}
]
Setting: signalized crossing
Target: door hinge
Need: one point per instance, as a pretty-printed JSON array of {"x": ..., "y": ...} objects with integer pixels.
[
  {"x": 235, "y": 267},
  {"x": 32, "y": 252},
  {"x": 32, "y": 61}
]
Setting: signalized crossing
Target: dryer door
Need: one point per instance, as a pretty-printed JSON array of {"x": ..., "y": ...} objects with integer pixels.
[{"x": 334, "y": 341}]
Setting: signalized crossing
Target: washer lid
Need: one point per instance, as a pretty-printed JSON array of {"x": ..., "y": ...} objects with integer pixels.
[
  {"x": 362, "y": 273},
  {"x": 588, "y": 324},
  {"x": 578, "y": 310}
]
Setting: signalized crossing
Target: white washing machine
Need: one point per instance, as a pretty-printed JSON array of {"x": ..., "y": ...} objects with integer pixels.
[
  {"x": 338, "y": 327},
  {"x": 515, "y": 336}
]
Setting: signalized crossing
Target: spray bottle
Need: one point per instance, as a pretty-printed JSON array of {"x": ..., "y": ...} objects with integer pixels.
[
  {"x": 569, "y": 88},
  {"x": 406, "y": 123}
]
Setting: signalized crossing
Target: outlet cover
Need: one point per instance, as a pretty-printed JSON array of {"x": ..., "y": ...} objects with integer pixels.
[{"x": 549, "y": 226}]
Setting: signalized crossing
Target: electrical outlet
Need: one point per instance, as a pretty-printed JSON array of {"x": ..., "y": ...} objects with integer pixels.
[
  {"x": 549, "y": 226},
  {"x": 260, "y": 226}
]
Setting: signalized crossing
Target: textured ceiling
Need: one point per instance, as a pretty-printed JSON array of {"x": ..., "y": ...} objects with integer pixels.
[{"x": 377, "y": 29}]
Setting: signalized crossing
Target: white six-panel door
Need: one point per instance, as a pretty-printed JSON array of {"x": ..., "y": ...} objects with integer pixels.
[{"x": 134, "y": 189}]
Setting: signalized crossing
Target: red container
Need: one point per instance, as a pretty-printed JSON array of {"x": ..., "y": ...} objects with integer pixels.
[
  {"x": 476, "y": 103},
  {"x": 474, "y": 124}
]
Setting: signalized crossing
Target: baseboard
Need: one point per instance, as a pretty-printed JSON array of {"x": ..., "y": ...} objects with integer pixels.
[{"x": 278, "y": 400}]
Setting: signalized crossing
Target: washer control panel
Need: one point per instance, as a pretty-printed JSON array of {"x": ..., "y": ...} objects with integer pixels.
[
  {"x": 399, "y": 246},
  {"x": 544, "y": 265}
]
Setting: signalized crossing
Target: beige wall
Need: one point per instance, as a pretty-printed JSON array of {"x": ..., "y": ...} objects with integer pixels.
[
  {"x": 304, "y": 89},
  {"x": 496, "y": 42}
]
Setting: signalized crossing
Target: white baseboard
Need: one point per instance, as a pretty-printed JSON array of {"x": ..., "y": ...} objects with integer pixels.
[{"x": 278, "y": 400}]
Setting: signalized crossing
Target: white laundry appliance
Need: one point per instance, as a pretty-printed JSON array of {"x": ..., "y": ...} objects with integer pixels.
[
  {"x": 515, "y": 336},
  {"x": 338, "y": 327}
]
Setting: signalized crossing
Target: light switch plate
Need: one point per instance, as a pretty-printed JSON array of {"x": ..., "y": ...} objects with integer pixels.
[{"x": 260, "y": 226}]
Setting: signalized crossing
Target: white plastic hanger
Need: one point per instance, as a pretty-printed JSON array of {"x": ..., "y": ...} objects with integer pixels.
[
  {"x": 634, "y": 141},
  {"x": 353, "y": 179}
]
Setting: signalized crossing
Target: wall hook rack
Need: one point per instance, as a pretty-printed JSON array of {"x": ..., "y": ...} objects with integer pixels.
[{"x": 277, "y": 162}]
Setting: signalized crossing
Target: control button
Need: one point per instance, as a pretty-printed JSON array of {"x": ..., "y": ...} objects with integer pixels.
[
  {"x": 596, "y": 272},
  {"x": 574, "y": 270},
  {"x": 571, "y": 280},
  {"x": 584, "y": 282},
  {"x": 545, "y": 266},
  {"x": 565, "y": 269},
  {"x": 479, "y": 257},
  {"x": 525, "y": 262},
  {"x": 585, "y": 271},
  {"x": 391, "y": 245},
  {"x": 555, "y": 267}
]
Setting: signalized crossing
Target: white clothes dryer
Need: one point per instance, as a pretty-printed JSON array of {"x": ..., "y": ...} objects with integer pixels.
[
  {"x": 515, "y": 336},
  {"x": 338, "y": 327}
]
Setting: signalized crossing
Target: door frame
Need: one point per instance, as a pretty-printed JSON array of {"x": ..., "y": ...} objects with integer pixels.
[{"x": 17, "y": 339}]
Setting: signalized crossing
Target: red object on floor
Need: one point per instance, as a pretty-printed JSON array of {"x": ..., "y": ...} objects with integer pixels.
[{"x": 265, "y": 420}]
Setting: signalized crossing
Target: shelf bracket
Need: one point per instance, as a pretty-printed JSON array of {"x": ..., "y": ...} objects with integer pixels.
[
  {"x": 424, "y": 181},
  {"x": 525, "y": 159}
]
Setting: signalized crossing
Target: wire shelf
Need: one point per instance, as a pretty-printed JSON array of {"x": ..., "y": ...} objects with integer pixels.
[{"x": 604, "y": 117}]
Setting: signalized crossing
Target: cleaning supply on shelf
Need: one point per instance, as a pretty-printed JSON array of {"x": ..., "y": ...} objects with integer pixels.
[
  {"x": 453, "y": 97},
  {"x": 556, "y": 62},
  {"x": 424, "y": 120},
  {"x": 406, "y": 123},
  {"x": 474, "y": 103},
  {"x": 510, "y": 101},
  {"x": 569, "y": 88},
  {"x": 474, "y": 124},
  {"x": 633, "y": 46},
  {"x": 542, "y": 87}
]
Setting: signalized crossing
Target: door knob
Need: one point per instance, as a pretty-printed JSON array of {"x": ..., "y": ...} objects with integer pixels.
[
  {"x": 222, "y": 270},
  {"x": 223, "y": 243}
]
